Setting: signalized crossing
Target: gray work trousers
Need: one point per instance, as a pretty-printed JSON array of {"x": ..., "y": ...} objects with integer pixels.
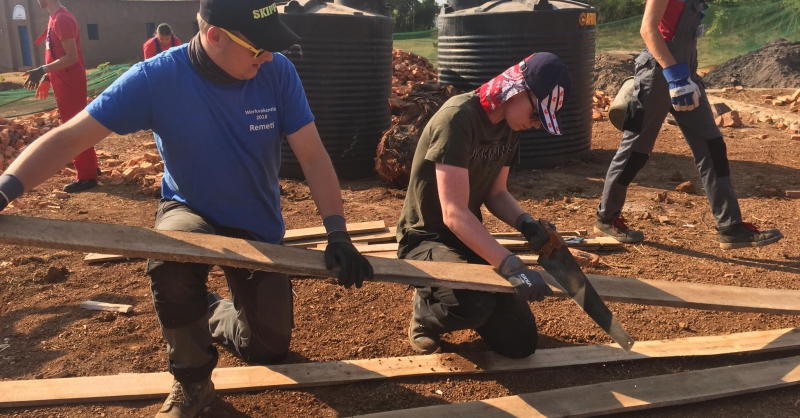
[
  {"x": 649, "y": 106},
  {"x": 256, "y": 323},
  {"x": 505, "y": 323}
]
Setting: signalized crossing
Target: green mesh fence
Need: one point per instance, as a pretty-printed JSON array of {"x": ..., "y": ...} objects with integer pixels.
[
  {"x": 732, "y": 29},
  {"x": 22, "y": 102},
  {"x": 421, "y": 43}
]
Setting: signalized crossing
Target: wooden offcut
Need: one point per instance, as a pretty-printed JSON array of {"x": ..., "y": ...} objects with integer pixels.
[
  {"x": 217, "y": 250},
  {"x": 387, "y": 235},
  {"x": 624, "y": 395},
  {"x": 92, "y": 258},
  {"x": 17, "y": 393}
]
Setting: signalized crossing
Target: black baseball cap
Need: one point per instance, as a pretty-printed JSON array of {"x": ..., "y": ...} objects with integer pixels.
[
  {"x": 256, "y": 19},
  {"x": 548, "y": 79}
]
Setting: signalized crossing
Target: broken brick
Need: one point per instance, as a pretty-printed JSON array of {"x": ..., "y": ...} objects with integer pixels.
[{"x": 686, "y": 187}]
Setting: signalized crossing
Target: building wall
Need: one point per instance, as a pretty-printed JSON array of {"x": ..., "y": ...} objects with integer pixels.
[{"x": 121, "y": 28}]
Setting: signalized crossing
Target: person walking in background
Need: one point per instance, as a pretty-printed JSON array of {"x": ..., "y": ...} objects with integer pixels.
[
  {"x": 666, "y": 81},
  {"x": 162, "y": 40},
  {"x": 65, "y": 72}
]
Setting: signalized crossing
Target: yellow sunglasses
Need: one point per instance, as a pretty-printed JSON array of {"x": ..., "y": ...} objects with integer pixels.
[{"x": 257, "y": 52}]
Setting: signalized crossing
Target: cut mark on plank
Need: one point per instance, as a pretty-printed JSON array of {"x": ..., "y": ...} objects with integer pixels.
[{"x": 130, "y": 386}]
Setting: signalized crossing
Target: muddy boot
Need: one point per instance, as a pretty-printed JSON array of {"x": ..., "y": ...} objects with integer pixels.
[
  {"x": 616, "y": 228},
  {"x": 188, "y": 401},
  {"x": 746, "y": 235},
  {"x": 423, "y": 339}
]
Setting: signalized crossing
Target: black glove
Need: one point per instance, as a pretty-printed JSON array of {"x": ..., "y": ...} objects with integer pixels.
[
  {"x": 529, "y": 284},
  {"x": 532, "y": 231},
  {"x": 34, "y": 78},
  {"x": 354, "y": 266}
]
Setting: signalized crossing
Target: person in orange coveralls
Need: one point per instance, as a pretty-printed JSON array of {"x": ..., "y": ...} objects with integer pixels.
[
  {"x": 162, "y": 40},
  {"x": 65, "y": 71}
]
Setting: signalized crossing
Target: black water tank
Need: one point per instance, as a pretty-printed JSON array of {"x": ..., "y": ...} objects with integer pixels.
[
  {"x": 481, "y": 40},
  {"x": 344, "y": 60}
]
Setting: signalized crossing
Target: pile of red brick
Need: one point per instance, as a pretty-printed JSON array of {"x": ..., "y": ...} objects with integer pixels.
[
  {"x": 600, "y": 105},
  {"x": 408, "y": 69},
  {"x": 792, "y": 101},
  {"x": 146, "y": 170},
  {"x": 16, "y": 134}
]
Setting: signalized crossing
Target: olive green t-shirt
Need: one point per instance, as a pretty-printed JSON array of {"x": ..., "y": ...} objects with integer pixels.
[{"x": 460, "y": 134}]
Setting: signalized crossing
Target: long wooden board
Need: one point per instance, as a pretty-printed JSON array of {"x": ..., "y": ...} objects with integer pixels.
[
  {"x": 520, "y": 243},
  {"x": 155, "y": 385},
  {"x": 624, "y": 395},
  {"x": 208, "y": 249}
]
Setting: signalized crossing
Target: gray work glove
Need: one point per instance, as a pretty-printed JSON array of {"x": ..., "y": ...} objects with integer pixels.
[
  {"x": 354, "y": 266},
  {"x": 528, "y": 284},
  {"x": 532, "y": 231}
]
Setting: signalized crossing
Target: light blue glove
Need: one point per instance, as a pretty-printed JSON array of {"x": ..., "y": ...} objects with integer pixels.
[{"x": 684, "y": 92}]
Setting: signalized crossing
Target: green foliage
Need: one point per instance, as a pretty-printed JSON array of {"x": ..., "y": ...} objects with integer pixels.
[
  {"x": 413, "y": 15},
  {"x": 103, "y": 66}
]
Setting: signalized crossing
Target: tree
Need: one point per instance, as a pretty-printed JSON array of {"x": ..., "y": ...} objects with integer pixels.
[{"x": 413, "y": 15}]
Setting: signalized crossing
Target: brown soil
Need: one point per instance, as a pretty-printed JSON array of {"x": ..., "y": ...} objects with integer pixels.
[
  {"x": 775, "y": 65},
  {"x": 753, "y": 97},
  {"x": 611, "y": 68},
  {"x": 49, "y": 333}
]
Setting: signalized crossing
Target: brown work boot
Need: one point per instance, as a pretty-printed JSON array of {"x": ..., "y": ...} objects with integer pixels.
[
  {"x": 423, "y": 339},
  {"x": 745, "y": 235},
  {"x": 616, "y": 228},
  {"x": 188, "y": 401}
]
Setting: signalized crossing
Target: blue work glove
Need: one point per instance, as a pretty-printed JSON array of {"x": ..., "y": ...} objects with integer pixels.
[{"x": 683, "y": 91}]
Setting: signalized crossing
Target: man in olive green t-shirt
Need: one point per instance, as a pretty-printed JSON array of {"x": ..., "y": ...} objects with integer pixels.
[{"x": 461, "y": 163}]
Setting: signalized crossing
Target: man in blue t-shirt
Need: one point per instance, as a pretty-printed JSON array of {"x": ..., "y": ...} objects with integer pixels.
[{"x": 219, "y": 108}]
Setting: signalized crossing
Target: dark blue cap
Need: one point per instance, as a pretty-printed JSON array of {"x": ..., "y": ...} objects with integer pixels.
[{"x": 548, "y": 79}]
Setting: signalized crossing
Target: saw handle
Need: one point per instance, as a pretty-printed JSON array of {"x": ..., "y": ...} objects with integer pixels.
[{"x": 545, "y": 239}]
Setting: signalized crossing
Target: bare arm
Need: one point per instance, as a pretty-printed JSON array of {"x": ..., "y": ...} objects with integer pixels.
[
  {"x": 71, "y": 48},
  {"x": 318, "y": 169},
  {"x": 653, "y": 12},
  {"x": 500, "y": 202},
  {"x": 453, "y": 186},
  {"x": 50, "y": 153}
]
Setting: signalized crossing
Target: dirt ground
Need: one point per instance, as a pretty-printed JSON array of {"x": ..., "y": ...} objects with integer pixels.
[{"x": 50, "y": 335}]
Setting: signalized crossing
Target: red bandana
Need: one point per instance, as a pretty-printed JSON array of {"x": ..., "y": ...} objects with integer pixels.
[{"x": 501, "y": 88}]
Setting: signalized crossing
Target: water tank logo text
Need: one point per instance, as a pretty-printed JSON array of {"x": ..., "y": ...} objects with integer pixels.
[{"x": 587, "y": 19}]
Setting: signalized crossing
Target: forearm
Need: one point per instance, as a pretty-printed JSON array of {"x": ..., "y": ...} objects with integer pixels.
[
  {"x": 504, "y": 207},
  {"x": 50, "y": 153},
  {"x": 324, "y": 185},
  {"x": 62, "y": 63},
  {"x": 657, "y": 46},
  {"x": 471, "y": 232}
]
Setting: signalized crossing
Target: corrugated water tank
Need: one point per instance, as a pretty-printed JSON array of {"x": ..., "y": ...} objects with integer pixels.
[
  {"x": 344, "y": 60},
  {"x": 479, "y": 40}
]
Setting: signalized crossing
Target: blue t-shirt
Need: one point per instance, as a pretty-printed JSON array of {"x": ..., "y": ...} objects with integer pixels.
[{"x": 221, "y": 144}]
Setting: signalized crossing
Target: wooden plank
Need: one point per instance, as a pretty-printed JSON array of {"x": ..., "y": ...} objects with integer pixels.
[
  {"x": 388, "y": 235},
  {"x": 103, "y": 306},
  {"x": 520, "y": 244},
  {"x": 154, "y": 385},
  {"x": 216, "y": 250},
  {"x": 367, "y": 249},
  {"x": 576, "y": 233},
  {"x": 102, "y": 258},
  {"x": 319, "y": 231},
  {"x": 625, "y": 395}
]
